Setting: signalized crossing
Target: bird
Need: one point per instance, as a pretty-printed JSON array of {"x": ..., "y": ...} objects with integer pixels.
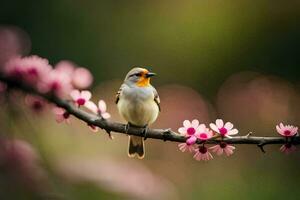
[{"x": 139, "y": 104}]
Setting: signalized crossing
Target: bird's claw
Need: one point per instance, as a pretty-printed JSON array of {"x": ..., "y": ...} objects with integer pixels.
[
  {"x": 144, "y": 132},
  {"x": 127, "y": 126}
]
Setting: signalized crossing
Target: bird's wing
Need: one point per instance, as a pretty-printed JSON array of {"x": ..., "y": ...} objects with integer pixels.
[
  {"x": 119, "y": 93},
  {"x": 156, "y": 98}
]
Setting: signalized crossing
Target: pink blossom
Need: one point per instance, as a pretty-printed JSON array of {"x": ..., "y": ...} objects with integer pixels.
[
  {"x": 61, "y": 115},
  {"x": 35, "y": 68},
  {"x": 224, "y": 130},
  {"x": 183, "y": 147},
  {"x": 66, "y": 67},
  {"x": 204, "y": 133},
  {"x": 81, "y": 98},
  {"x": 57, "y": 82},
  {"x": 287, "y": 130},
  {"x": 202, "y": 153},
  {"x": 36, "y": 103},
  {"x": 82, "y": 78},
  {"x": 221, "y": 148},
  {"x": 189, "y": 128},
  {"x": 31, "y": 68},
  {"x": 287, "y": 148},
  {"x": 100, "y": 110},
  {"x": 188, "y": 145}
]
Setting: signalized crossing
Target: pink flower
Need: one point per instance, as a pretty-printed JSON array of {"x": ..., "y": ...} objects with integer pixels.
[
  {"x": 202, "y": 153},
  {"x": 66, "y": 67},
  {"x": 188, "y": 145},
  {"x": 287, "y": 148},
  {"x": 82, "y": 78},
  {"x": 204, "y": 133},
  {"x": 57, "y": 82},
  {"x": 61, "y": 115},
  {"x": 183, "y": 147},
  {"x": 35, "y": 68},
  {"x": 224, "y": 130},
  {"x": 31, "y": 69},
  {"x": 100, "y": 110},
  {"x": 221, "y": 148},
  {"x": 81, "y": 98},
  {"x": 287, "y": 131},
  {"x": 189, "y": 128},
  {"x": 36, "y": 103}
]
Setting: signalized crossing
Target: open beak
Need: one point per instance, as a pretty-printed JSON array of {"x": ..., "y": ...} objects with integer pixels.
[{"x": 150, "y": 74}]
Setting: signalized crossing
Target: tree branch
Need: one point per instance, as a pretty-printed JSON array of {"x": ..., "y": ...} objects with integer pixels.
[{"x": 161, "y": 134}]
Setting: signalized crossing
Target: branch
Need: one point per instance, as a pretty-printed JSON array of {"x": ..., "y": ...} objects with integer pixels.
[{"x": 160, "y": 134}]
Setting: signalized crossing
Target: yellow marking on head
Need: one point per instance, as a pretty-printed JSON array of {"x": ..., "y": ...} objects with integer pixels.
[{"x": 143, "y": 80}]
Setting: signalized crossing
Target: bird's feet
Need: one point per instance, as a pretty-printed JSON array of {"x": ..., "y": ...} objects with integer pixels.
[
  {"x": 127, "y": 126},
  {"x": 144, "y": 132}
]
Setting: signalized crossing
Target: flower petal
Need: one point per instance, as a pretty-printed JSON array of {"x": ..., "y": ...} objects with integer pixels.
[
  {"x": 195, "y": 123},
  {"x": 209, "y": 133},
  {"x": 201, "y": 128},
  {"x": 279, "y": 130},
  {"x": 182, "y": 131},
  {"x": 230, "y": 147},
  {"x": 105, "y": 115},
  {"x": 214, "y": 148},
  {"x": 233, "y": 132},
  {"x": 59, "y": 118},
  {"x": 281, "y": 126},
  {"x": 91, "y": 106},
  {"x": 186, "y": 123},
  {"x": 75, "y": 94},
  {"x": 191, "y": 140},
  {"x": 58, "y": 111},
  {"x": 219, "y": 151},
  {"x": 228, "y": 126},
  {"x": 228, "y": 151},
  {"x": 182, "y": 147},
  {"x": 294, "y": 130},
  {"x": 86, "y": 95},
  {"x": 219, "y": 123},
  {"x": 214, "y": 127},
  {"x": 102, "y": 106}
]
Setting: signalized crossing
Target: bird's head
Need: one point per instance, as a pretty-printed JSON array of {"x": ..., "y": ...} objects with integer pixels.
[{"x": 139, "y": 76}]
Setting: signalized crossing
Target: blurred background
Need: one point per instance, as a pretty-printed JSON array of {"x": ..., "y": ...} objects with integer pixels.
[{"x": 236, "y": 60}]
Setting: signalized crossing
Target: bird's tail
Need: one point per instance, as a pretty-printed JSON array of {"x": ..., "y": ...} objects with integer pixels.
[{"x": 136, "y": 146}]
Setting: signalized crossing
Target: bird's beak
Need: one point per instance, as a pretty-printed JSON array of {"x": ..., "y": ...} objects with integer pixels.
[{"x": 150, "y": 74}]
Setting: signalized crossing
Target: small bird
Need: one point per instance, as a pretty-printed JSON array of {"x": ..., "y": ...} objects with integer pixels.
[{"x": 139, "y": 104}]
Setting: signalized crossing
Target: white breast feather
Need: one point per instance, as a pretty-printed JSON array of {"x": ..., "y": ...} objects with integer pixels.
[{"x": 137, "y": 106}]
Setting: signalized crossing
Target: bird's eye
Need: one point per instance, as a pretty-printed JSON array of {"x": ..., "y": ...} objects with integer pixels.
[{"x": 136, "y": 75}]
